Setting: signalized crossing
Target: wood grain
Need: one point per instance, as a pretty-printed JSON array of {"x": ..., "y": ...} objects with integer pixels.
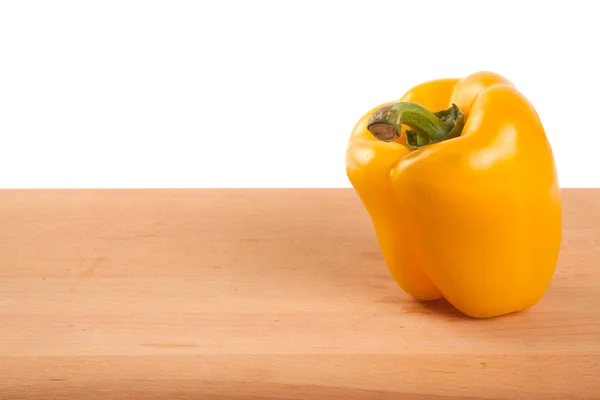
[{"x": 265, "y": 294}]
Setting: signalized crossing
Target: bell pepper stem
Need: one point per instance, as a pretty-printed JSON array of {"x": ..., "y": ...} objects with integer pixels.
[{"x": 425, "y": 127}]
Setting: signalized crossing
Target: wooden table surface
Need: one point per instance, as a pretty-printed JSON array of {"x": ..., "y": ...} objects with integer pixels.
[{"x": 265, "y": 294}]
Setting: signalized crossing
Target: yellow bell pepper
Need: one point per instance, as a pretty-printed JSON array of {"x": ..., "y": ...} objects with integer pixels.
[{"x": 460, "y": 182}]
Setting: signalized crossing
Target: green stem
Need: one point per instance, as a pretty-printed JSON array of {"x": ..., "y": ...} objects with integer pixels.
[{"x": 426, "y": 127}]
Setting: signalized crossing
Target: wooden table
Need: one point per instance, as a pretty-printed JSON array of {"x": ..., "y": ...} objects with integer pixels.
[{"x": 264, "y": 294}]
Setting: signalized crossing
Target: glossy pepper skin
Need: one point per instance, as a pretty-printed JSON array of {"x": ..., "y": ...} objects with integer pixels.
[{"x": 475, "y": 218}]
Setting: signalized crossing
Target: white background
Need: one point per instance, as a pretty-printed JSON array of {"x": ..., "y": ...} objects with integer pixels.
[{"x": 265, "y": 94}]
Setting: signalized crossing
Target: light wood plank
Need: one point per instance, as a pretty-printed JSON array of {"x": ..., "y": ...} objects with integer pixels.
[{"x": 259, "y": 294}]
